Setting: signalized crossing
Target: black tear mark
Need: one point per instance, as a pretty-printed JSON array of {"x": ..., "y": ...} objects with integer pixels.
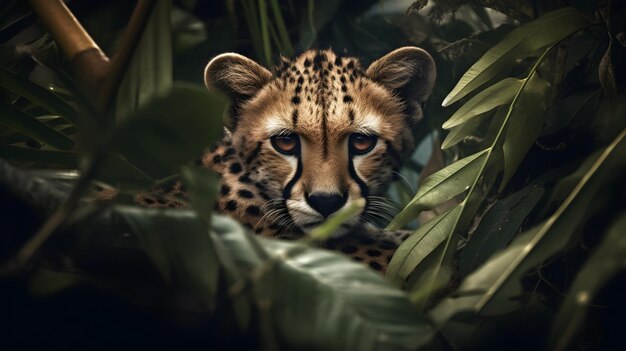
[
  {"x": 292, "y": 182},
  {"x": 295, "y": 100}
]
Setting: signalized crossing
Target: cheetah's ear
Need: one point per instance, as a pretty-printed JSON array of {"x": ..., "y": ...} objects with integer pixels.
[
  {"x": 409, "y": 71},
  {"x": 236, "y": 75}
]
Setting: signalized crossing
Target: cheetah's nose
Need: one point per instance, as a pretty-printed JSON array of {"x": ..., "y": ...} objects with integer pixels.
[{"x": 326, "y": 204}]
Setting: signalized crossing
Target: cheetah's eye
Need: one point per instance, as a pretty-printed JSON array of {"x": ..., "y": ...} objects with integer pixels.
[
  {"x": 361, "y": 144},
  {"x": 286, "y": 144}
]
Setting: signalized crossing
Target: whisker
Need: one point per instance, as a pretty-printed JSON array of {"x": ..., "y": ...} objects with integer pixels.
[{"x": 405, "y": 181}]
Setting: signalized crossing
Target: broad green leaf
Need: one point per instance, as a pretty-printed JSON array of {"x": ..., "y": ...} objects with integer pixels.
[
  {"x": 525, "y": 120},
  {"x": 497, "y": 226},
  {"x": 606, "y": 261},
  {"x": 493, "y": 288},
  {"x": 496, "y": 95},
  {"x": 202, "y": 184},
  {"x": 176, "y": 241},
  {"x": 150, "y": 71},
  {"x": 170, "y": 130},
  {"x": 12, "y": 117},
  {"x": 440, "y": 187},
  {"x": 318, "y": 299},
  {"x": 420, "y": 245},
  {"x": 37, "y": 94},
  {"x": 521, "y": 42}
]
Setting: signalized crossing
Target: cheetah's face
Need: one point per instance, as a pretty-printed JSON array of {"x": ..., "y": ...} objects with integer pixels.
[{"x": 320, "y": 133}]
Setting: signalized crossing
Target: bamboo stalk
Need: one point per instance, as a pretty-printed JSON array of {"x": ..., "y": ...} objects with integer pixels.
[{"x": 89, "y": 64}]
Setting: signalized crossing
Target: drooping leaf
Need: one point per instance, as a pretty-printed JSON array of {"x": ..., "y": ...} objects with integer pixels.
[
  {"x": 493, "y": 288},
  {"x": 526, "y": 118},
  {"x": 606, "y": 261},
  {"x": 12, "y": 117},
  {"x": 176, "y": 241},
  {"x": 23, "y": 87},
  {"x": 521, "y": 42},
  {"x": 496, "y": 95},
  {"x": 322, "y": 300},
  {"x": 497, "y": 227},
  {"x": 440, "y": 187},
  {"x": 421, "y": 245},
  {"x": 170, "y": 130}
]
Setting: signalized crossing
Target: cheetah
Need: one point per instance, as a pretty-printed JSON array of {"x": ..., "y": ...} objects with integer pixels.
[{"x": 313, "y": 135}]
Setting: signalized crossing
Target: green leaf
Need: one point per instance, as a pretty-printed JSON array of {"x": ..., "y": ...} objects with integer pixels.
[
  {"x": 606, "y": 261},
  {"x": 177, "y": 242},
  {"x": 521, "y": 42},
  {"x": 318, "y": 299},
  {"x": 496, "y": 285},
  {"x": 326, "y": 229},
  {"x": 202, "y": 184},
  {"x": 440, "y": 187},
  {"x": 421, "y": 245},
  {"x": 12, "y": 117},
  {"x": 150, "y": 71},
  {"x": 496, "y": 95},
  {"x": 460, "y": 132},
  {"x": 526, "y": 118},
  {"x": 170, "y": 130},
  {"x": 22, "y": 86},
  {"x": 497, "y": 226},
  {"x": 282, "y": 29}
]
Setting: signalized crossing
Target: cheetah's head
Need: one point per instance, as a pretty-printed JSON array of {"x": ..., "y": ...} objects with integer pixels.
[{"x": 320, "y": 132}]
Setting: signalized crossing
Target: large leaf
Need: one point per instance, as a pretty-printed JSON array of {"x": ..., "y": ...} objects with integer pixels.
[
  {"x": 605, "y": 263},
  {"x": 526, "y": 117},
  {"x": 14, "y": 118},
  {"x": 202, "y": 184},
  {"x": 496, "y": 95},
  {"x": 170, "y": 130},
  {"x": 322, "y": 300},
  {"x": 176, "y": 241},
  {"x": 150, "y": 70},
  {"x": 521, "y": 42},
  {"x": 440, "y": 187},
  {"x": 494, "y": 287},
  {"x": 421, "y": 245},
  {"x": 35, "y": 93},
  {"x": 178, "y": 244},
  {"x": 497, "y": 226}
]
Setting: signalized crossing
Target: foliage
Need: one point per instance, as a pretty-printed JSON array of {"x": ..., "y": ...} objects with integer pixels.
[{"x": 536, "y": 150}]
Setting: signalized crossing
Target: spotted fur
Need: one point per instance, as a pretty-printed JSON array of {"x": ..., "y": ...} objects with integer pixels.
[{"x": 322, "y": 99}]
